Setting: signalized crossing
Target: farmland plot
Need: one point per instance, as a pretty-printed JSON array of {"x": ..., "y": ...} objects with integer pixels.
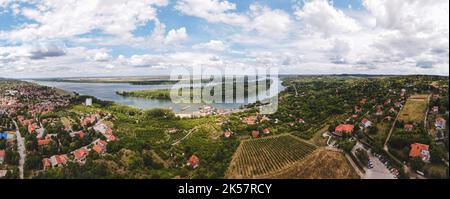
[
  {"x": 259, "y": 157},
  {"x": 414, "y": 110}
]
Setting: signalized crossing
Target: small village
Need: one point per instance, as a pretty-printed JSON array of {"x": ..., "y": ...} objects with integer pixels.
[{"x": 34, "y": 139}]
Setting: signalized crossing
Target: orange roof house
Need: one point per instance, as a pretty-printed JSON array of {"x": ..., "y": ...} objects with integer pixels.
[
  {"x": 44, "y": 142},
  {"x": 193, "y": 161},
  {"x": 81, "y": 154},
  {"x": 420, "y": 150},
  {"x": 255, "y": 133},
  {"x": 2, "y": 156},
  {"x": 343, "y": 128},
  {"x": 266, "y": 131},
  {"x": 58, "y": 160},
  {"x": 250, "y": 120},
  {"x": 99, "y": 149},
  {"x": 408, "y": 127},
  {"x": 32, "y": 127}
]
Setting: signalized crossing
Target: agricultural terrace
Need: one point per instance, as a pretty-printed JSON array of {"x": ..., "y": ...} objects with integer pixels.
[
  {"x": 258, "y": 157},
  {"x": 414, "y": 109}
]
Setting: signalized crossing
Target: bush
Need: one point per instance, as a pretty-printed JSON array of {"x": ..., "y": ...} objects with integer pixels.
[{"x": 362, "y": 156}]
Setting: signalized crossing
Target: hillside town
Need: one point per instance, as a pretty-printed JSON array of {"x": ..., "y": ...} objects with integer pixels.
[
  {"x": 34, "y": 138},
  {"x": 377, "y": 128}
]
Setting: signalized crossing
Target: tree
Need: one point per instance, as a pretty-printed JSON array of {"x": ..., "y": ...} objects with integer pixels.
[
  {"x": 362, "y": 156},
  {"x": 347, "y": 145},
  {"x": 417, "y": 164},
  {"x": 33, "y": 161},
  {"x": 436, "y": 155}
]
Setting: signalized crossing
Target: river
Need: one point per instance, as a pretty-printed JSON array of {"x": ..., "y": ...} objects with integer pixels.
[{"x": 107, "y": 91}]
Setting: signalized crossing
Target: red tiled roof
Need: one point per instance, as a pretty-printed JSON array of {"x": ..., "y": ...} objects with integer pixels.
[
  {"x": 102, "y": 142},
  {"x": 80, "y": 153},
  {"x": 417, "y": 148},
  {"x": 2, "y": 153},
  {"x": 255, "y": 133},
  {"x": 97, "y": 148},
  {"x": 61, "y": 159},
  {"x": 108, "y": 131},
  {"x": 408, "y": 126},
  {"x": 111, "y": 137},
  {"x": 266, "y": 131},
  {"x": 32, "y": 127},
  {"x": 193, "y": 160},
  {"x": 345, "y": 127},
  {"x": 81, "y": 134},
  {"x": 364, "y": 120},
  {"x": 44, "y": 142}
]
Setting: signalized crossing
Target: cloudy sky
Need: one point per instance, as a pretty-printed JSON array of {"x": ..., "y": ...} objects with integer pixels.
[{"x": 51, "y": 38}]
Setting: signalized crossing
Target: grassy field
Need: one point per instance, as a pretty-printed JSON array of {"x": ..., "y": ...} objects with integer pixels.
[
  {"x": 257, "y": 157},
  {"x": 414, "y": 109},
  {"x": 321, "y": 164},
  {"x": 383, "y": 131}
]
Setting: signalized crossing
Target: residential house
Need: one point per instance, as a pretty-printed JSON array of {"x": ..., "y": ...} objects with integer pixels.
[
  {"x": 408, "y": 127},
  {"x": 172, "y": 130},
  {"x": 301, "y": 121},
  {"x": 193, "y": 161},
  {"x": 46, "y": 163},
  {"x": 343, "y": 128},
  {"x": 379, "y": 110},
  {"x": 440, "y": 123},
  {"x": 81, "y": 154},
  {"x": 2, "y": 156},
  {"x": 388, "y": 118},
  {"x": 435, "y": 109},
  {"x": 255, "y": 133},
  {"x": 79, "y": 133},
  {"x": 250, "y": 120},
  {"x": 32, "y": 127},
  {"x": 58, "y": 160},
  {"x": 402, "y": 92},
  {"x": 44, "y": 142},
  {"x": 420, "y": 150},
  {"x": 266, "y": 131},
  {"x": 366, "y": 123},
  {"x": 100, "y": 147}
]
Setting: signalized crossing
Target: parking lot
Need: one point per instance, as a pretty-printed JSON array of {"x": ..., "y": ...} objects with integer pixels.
[{"x": 379, "y": 170}]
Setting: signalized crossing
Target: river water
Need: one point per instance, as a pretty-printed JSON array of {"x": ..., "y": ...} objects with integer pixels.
[{"x": 107, "y": 91}]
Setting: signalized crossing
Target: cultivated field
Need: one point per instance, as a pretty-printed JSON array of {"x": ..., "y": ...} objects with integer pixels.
[
  {"x": 414, "y": 109},
  {"x": 259, "y": 157},
  {"x": 321, "y": 164}
]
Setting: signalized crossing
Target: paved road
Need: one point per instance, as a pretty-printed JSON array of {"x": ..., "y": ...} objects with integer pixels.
[{"x": 21, "y": 149}]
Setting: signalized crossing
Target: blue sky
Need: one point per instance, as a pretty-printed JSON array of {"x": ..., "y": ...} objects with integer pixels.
[{"x": 43, "y": 38}]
